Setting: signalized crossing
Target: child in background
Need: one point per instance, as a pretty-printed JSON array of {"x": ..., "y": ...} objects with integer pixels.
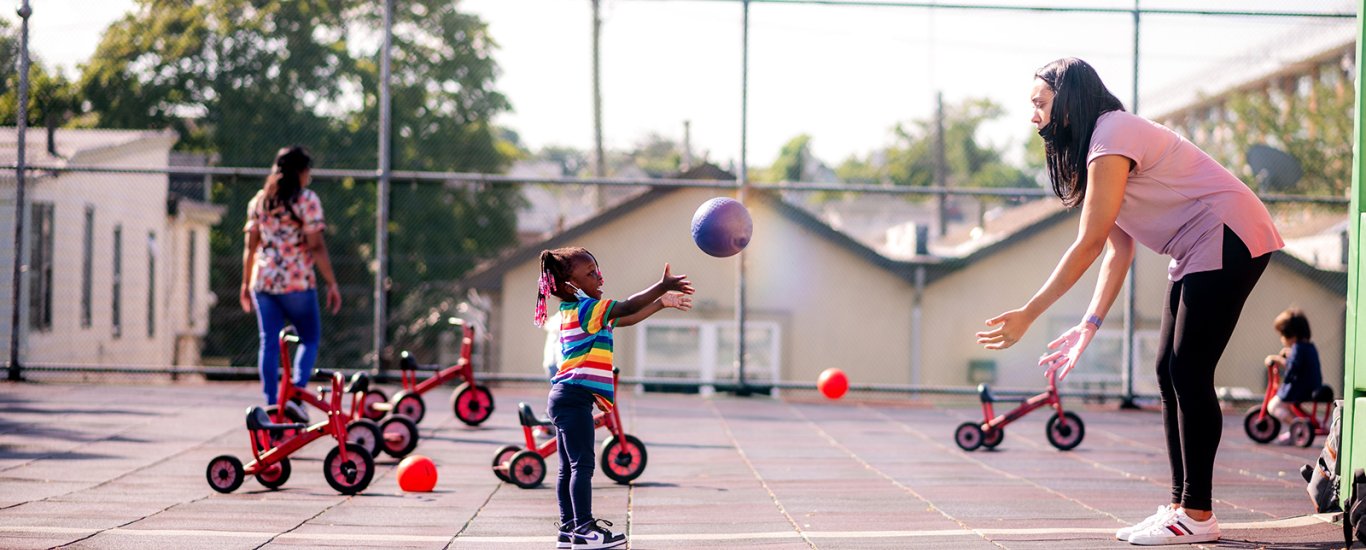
[
  {"x": 585, "y": 376},
  {"x": 1299, "y": 365}
]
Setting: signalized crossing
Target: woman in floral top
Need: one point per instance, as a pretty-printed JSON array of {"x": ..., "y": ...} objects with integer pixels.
[{"x": 284, "y": 242}]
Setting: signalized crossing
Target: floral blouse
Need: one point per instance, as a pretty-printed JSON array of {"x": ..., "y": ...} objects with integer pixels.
[{"x": 283, "y": 262}]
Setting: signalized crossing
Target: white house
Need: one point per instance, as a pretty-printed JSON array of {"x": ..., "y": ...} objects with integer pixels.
[{"x": 115, "y": 267}]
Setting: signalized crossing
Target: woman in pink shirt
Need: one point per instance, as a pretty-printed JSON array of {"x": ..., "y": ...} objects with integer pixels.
[{"x": 1137, "y": 181}]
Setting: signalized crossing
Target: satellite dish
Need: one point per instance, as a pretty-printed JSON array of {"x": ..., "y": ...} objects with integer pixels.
[{"x": 1276, "y": 171}]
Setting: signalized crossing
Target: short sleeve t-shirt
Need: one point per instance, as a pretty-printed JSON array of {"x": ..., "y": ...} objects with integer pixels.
[
  {"x": 1178, "y": 199},
  {"x": 283, "y": 262},
  {"x": 586, "y": 343}
]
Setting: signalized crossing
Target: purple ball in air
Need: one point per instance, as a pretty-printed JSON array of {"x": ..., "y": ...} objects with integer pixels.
[{"x": 721, "y": 227}]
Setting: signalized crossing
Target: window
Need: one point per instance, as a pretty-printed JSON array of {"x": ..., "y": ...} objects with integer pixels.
[
  {"x": 87, "y": 265},
  {"x": 40, "y": 268},
  {"x": 116, "y": 302},
  {"x": 705, "y": 350},
  {"x": 190, "y": 296},
  {"x": 151, "y": 284}
]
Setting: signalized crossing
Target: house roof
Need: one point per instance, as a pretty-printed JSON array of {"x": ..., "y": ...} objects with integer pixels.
[{"x": 69, "y": 143}]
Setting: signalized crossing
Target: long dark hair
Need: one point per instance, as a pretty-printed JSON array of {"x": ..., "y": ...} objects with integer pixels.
[
  {"x": 1079, "y": 100},
  {"x": 284, "y": 183}
]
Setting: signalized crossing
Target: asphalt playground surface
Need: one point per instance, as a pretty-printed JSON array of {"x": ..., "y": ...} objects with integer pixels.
[{"x": 122, "y": 465}]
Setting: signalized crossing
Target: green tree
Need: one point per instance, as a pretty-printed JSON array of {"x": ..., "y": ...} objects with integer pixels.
[
  {"x": 242, "y": 79},
  {"x": 791, "y": 161},
  {"x": 968, "y": 161},
  {"x": 51, "y": 95}
]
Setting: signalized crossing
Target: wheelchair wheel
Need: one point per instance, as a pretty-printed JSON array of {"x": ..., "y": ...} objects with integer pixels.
[
  {"x": 410, "y": 404},
  {"x": 373, "y": 397},
  {"x": 1301, "y": 432},
  {"x": 1065, "y": 432},
  {"x": 275, "y": 476},
  {"x": 969, "y": 436},
  {"x": 526, "y": 469},
  {"x": 366, "y": 433},
  {"x": 623, "y": 459},
  {"x": 992, "y": 438},
  {"x": 352, "y": 475},
  {"x": 225, "y": 473},
  {"x": 500, "y": 458},
  {"x": 1261, "y": 428},
  {"x": 399, "y": 436},
  {"x": 472, "y": 403}
]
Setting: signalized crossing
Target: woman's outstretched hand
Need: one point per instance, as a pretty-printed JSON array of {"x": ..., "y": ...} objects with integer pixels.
[
  {"x": 679, "y": 283},
  {"x": 1013, "y": 325},
  {"x": 676, "y": 300},
  {"x": 1067, "y": 350}
]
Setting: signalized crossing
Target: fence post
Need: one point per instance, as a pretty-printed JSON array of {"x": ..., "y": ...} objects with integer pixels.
[{"x": 22, "y": 128}]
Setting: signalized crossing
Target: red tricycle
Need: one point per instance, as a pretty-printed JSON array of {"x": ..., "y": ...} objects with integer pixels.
[
  {"x": 1261, "y": 426},
  {"x": 348, "y": 467},
  {"x": 623, "y": 455},
  {"x": 472, "y": 402},
  {"x": 396, "y": 435},
  {"x": 1064, "y": 429}
]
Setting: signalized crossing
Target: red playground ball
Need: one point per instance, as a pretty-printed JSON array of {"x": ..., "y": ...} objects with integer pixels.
[
  {"x": 721, "y": 227},
  {"x": 832, "y": 383},
  {"x": 416, "y": 474}
]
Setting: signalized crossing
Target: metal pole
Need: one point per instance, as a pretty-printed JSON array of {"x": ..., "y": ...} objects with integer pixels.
[
  {"x": 22, "y": 126},
  {"x": 941, "y": 172},
  {"x": 743, "y": 176},
  {"x": 1130, "y": 287},
  {"x": 599, "y": 157},
  {"x": 382, "y": 209}
]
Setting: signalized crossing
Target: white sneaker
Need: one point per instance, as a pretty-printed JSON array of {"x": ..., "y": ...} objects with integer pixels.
[
  {"x": 1177, "y": 528},
  {"x": 1161, "y": 514},
  {"x": 596, "y": 536}
]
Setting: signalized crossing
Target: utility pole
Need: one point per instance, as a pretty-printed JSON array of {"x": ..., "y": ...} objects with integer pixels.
[
  {"x": 22, "y": 126},
  {"x": 382, "y": 191},
  {"x": 941, "y": 171},
  {"x": 599, "y": 162}
]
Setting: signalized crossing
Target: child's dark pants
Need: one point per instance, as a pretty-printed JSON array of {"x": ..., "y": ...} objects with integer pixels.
[{"x": 571, "y": 410}]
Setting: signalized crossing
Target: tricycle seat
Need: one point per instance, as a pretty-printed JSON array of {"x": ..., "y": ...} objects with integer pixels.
[
  {"x": 360, "y": 382},
  {"x": 528, "y": 418},
  {"x": 258, "y": 420},
  {"x": 985, "y": 392}
]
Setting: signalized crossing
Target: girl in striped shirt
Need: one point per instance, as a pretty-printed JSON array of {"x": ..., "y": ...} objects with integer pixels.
[{"x": 585, "y": 376}]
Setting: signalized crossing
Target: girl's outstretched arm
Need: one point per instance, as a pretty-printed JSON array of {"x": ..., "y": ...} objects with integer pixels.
[
  {"x": 681, "y": 302},
  {"x": 643, "y": 299}
]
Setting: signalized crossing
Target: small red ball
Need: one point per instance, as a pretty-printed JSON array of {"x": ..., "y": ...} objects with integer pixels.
[
  {"x": 416, "y": 474},
  {"x": 833, "y": 383}
]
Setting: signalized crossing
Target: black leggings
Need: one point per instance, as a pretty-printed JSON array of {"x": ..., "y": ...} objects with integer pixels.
[{"x": 1197, "y": 321}]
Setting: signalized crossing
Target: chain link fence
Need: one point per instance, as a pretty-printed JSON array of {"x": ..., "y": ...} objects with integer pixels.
[{"x": 881, "y": 148}]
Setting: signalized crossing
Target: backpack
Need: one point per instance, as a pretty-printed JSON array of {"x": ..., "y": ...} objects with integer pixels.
[{"x": 1322, "y": 475}]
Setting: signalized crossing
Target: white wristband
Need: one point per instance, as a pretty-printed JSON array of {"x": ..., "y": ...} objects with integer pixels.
[{"x": 1093, "y": 319}]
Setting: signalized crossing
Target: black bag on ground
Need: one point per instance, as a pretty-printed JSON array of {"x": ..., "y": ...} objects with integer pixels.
[{"x": 1323, "y": 474}]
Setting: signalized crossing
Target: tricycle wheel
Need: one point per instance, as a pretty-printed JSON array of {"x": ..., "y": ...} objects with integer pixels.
[
  {"x": 1065, "y": 432},
  {"x": 399, "y": 436},
  {"x": 410, "y": 404},
  {"x": 472, "y": 403},
  {"x": 366, "y": 433},
  {"x": 968, "y": 436},
  {"x": 352, "y": 475},
  {"x": 993, "y": 437},
  {"x": 225, "y": 473},
  {"x": 500, "y": 461},
  {"x": 373, "y": 397},
  {"x": 526, "y": 469},
  {"x": 1301, "y": 432},
  {"x": 1261, "y": 428},
  {"x": 623, "y": 459},
  {"x": 275, "y": 476}
]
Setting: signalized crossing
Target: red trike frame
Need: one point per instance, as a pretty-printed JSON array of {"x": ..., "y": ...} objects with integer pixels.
[
  {"x": 1259, "y": 422},
  {"x": 471, "y": 402},
  {"x": 1061, "y": 428}
]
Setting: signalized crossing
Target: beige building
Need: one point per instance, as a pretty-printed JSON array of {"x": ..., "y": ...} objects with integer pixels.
[
  {"x": 116, "y": 265},
  {"x": 817, "y": 299}
]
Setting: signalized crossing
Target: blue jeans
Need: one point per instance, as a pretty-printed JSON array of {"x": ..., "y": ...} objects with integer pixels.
[
  {"x": 571, "y": 410},
  {"x": 273, "y": 312}
]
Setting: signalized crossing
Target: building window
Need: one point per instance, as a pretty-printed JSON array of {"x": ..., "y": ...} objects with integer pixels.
[
  {"x": 116, "y": 302},
  {"x": 191, "y": 296},
  {"x": 705, "y": 351},
  {"x": 151, "y": 284},
  {"x": 40, "y": 268},
  {"x": 87, "y": 265}
]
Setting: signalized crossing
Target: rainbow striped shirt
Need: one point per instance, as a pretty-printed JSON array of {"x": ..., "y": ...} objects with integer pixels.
[{"x": 586, "y": 342}]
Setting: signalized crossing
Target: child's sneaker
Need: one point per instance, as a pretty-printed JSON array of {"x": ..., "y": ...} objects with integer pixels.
[
  {"x": 594, "y": 536},
  {"x": 1161, "y": 514},
  {"x": 1177, "y": 528},
  {"x": 565, "y": 540}
]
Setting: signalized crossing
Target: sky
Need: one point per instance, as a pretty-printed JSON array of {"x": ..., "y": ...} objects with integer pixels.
[{"x": 844, "y": 75}]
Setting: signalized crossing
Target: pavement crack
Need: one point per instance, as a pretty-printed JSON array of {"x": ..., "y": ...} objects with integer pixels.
[{"x": 725, "y": 425}]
